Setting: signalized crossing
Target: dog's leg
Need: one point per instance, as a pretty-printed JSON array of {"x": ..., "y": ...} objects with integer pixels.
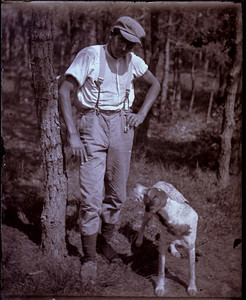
[
  {"x": 174, "y": 251},
  {"x": 146, "y": 219},
  {"x": 192, "y": 290},
  {"x": 160, "y": 289}
]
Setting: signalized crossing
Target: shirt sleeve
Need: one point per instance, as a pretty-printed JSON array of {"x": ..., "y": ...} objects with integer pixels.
[
  {"x": 139, "y": 66},
  {"x": 80, "y": 67}
]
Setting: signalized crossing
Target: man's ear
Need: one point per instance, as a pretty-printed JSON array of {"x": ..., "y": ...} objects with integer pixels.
[
  {"x": 159, "y": 194},
  {"x": 139, "y": 191}
]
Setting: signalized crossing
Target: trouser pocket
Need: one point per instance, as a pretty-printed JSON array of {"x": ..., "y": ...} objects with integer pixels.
[
  {"x": 127, "y": 128},
  {"x": 88, "y": 130}
]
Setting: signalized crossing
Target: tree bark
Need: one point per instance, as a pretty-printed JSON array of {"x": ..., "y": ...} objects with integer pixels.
[
  {"x": 228, "y": 117},
  {"x": 166, "y": 70},
  {"x": 46, "y": 91},
  {"x": 236, "y": 147}
]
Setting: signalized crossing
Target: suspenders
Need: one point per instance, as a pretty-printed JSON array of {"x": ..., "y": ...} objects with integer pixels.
[
  {"x": 128, "y": 85},
  {"x": 100, "y": 79}
]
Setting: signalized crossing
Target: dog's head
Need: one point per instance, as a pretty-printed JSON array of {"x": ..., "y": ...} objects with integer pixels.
[{"x": 151, "y": 196}]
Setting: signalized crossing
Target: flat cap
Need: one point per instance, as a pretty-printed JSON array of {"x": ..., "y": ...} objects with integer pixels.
[{"x": 130, "y": 29}]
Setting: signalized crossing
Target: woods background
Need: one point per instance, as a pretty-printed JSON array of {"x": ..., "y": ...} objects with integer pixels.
[
  {"x": 192, "y": 137},
  {"x": 190, "y": 48}
]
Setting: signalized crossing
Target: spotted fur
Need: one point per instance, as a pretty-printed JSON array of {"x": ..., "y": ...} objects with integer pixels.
[{"x": 178, "y": 224}]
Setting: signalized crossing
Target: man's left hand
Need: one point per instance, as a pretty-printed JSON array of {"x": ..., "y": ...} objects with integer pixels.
[{"x": 134, "y": 120}]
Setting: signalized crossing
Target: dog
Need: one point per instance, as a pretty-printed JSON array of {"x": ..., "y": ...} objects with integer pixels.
[{"x": 178, "y": 224}]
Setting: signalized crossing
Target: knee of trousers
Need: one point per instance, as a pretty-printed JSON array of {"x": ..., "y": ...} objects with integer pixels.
[
  {"x": 114, "y": 201},
  {"x": 89, "y": 220},
  {"x": 111, "y": 211}
]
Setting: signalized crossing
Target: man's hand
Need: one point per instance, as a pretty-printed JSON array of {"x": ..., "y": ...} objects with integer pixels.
[
  {"x": 77, "y": 147},
  {"x": 134, "y": 120}
]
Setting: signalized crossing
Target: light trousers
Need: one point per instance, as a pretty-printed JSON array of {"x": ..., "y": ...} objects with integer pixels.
[{"x": 104, "y": 176}]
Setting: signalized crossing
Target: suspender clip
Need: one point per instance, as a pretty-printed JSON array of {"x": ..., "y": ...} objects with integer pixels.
[
  {"x": 99, "y": 81},
  {"x": 126, "y": 128}
]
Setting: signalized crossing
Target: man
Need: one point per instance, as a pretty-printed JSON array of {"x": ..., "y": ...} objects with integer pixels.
[{"x": 103, "y": 78}]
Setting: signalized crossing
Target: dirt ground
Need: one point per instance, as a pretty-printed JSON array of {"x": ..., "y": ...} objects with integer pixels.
[{"x": 26, "y": 271}]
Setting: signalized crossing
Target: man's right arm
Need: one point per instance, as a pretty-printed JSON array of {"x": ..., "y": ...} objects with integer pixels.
[{"x": 67, "y": 87}]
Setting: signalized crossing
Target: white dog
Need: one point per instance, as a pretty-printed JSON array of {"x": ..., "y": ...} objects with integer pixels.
[{"x": 178, "y": 221}]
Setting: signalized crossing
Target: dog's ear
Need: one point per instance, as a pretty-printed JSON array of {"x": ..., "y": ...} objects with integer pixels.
[
  {"x": 158, "y": 199},
  {"x": 139, "y": 191}
]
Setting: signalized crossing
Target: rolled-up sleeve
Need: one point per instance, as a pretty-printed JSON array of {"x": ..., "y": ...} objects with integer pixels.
[
  {"x": 80, "y": 67},
  {"x": 139, "y": 66}
]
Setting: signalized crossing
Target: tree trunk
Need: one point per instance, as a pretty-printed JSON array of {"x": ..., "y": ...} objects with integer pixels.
[
  {"x": 7, "y": 43},
  {"x": 228, "y": 117},
  {"x": 92, "y": 36},
  {"x": 176, "y": 85},
  {"x": 54, "y": 210},
  {"x": 206, "y": 65},
  {"x": 236, "y": 147},
  {"x": 166, "y": 71},
  {"x": 141, "y": 135},
  {"x": 211, "y": 96},
  {"x": 192, "y": 73},
  {"x": 144, "y": 47},
  {"x": 155, "y": 46},
  {"x": 76, "y": 34},
  {"x": 226, "y": 135},
  {"x": 222, "y": 83}
]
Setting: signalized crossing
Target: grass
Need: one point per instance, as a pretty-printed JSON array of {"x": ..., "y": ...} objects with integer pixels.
[
  {"x": 184, "y": 157},
  {"x": 200, "y": 186}
]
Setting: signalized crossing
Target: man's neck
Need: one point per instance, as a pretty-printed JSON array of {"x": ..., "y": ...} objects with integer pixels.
[{"x": 108, "y": 51}]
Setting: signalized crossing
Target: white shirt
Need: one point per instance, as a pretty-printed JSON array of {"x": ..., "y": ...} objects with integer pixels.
[{"x": 85, "y": 68}]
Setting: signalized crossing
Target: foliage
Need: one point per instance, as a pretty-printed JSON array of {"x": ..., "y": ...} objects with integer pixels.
[{"x": 211, "y": 27}]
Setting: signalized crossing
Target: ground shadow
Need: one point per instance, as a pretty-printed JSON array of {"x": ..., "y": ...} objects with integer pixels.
[
  {"x": 202, "y": 152},
  {"x": 25, "y": 218},
  {"x": 144, "y": 259},
  {"x": 71, "y": 249}
]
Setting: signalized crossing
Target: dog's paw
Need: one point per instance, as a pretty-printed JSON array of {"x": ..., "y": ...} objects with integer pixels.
[
  {"x": 139, "y": 240},
  {"x": 174, "y": 251},
  {"x": 159, "y": 291},
  {"x": 176, "y": 254},
  {"x": 192, "y": 291}
]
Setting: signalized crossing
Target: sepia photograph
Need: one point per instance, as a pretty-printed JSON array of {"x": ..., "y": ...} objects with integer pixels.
[{"x": 121, "y": 150}]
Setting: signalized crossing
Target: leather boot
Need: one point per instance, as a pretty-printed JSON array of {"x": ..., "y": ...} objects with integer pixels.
[
  {"x": 107, "y": 231},
  {"x": 89, "y": 247},
  {"x": 103, "y": 240},
  {"x": 88, "y": 271}
]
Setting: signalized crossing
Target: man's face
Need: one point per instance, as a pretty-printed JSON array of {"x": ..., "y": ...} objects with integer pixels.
[{"x": 118, "y": 46}]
